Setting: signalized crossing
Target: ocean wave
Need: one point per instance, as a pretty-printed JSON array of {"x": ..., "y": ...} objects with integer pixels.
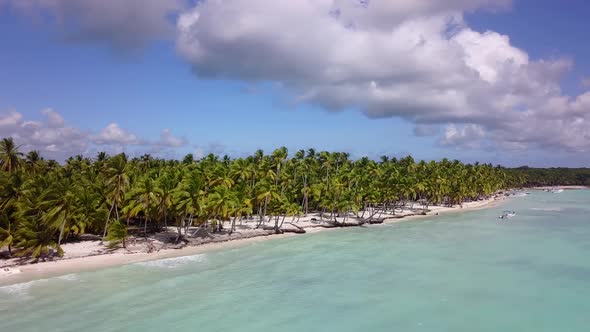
[
  {"x": 70, "y": 277},
  {"x": 172, "y": 263},
  {"x": 20, "y": 290}
]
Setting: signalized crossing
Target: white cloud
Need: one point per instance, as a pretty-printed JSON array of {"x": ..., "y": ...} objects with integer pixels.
[
  {"x": 413, "y": 59},
  {"x": 169, "y": 140},
  {"x": 52, "y": 135},
  {"x": 54, "y": 138},
  {"x": 113, "y": 134},
  {"x": 467, "y": 136},
  {"x": 10, "y": 121},
  {"x": 127, "y": 24},
  {"x": 54, "y": 119},
  {"x": 422, "y": 130}
]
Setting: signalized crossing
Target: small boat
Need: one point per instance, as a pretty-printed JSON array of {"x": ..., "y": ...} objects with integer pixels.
[
  {"x": 507, "y": 214},
  {"x": 557, "y": 190}
]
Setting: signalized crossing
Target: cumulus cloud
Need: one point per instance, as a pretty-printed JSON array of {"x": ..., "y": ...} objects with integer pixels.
[
  {"x": 468, "y": 136},
  {"x": 51, "y": 135},
  {"x": 417, "y": 60},
  {"x": 54, "y": 119},
  {"x": 113, "y": 134},
  {"x": 124, "y": 25},
  {"x": 422, "y": 130},
  {"x": 414, "y": 59},
  {"x": 213, "y": 147},
  {"x": 56, "y": 139},
  {"x": 169, "y": 140}
]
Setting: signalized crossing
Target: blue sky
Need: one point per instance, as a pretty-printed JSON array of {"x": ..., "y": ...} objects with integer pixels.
[
  {"x": 545, "y": 28},
  {"x": 91, "y": 85}
]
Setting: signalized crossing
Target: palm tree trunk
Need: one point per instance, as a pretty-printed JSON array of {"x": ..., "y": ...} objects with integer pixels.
[
  {"x": 186, "y": 226},
  {"x": 106, "y": 225},
  {"x": 233, "y": 224},
  {"x": 265, "y": 206},
  {"x": 282, "y": 221},
  {"x": 305, "y": 194},
  {"x": 165, "y": 218},
  {"x": 145, "y": 222},
  {"x": 61, "y": 230}
]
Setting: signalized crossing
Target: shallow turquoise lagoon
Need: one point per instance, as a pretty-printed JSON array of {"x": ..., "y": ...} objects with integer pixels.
[{"x": 458, "y": 272}]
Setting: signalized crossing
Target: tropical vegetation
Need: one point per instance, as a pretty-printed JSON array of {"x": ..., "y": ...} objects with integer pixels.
[{"x": 44, "y": 203}]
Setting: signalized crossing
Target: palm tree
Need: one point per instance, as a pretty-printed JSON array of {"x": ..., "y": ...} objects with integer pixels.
[
  {"x": 7, "y": 233},
  {"x": 166, "y": 183},
  {"x": 117, "y": 235},
  {"x": 189, "y": 197},
  {"x": 35, "y": 234},
  {"x": 221, "y": 203},
  {"x": 266, "y": 194},
  {"x": 60, "y": 202},
  {"x": 189, "y": 159},
  {"x": 36, "y": 238},
  {"x": 117, "y": 179},
  {"x": 279, "y": 156},
  {"x": 143, "y": 200},
  {"x": 242, "y": 205},
  {"x": 9, "y": 155},
  {"x": 34, "y": 162},
  {"x": 43, "y": 202}
]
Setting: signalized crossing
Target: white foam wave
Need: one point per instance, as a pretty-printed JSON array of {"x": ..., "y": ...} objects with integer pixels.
[
  {"x": 20, "y": 290},
  {"x": 70, "y": 277},
  {"x": 172, "y": 263}
]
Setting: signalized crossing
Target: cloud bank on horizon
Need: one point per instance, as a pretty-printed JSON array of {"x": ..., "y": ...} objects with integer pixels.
[
  {"x": 414, "y": 59},
  {"x": 59, "y": 140}
]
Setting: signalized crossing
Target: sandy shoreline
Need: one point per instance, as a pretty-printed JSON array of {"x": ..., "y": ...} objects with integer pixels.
[
  {"x": 82, "y": 258},
  {"x": 561, "y": 187}
]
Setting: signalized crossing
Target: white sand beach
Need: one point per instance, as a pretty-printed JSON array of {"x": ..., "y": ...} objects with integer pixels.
[
  {"x": 93, "y": 255},
  {"x": 561, "y": 187}
]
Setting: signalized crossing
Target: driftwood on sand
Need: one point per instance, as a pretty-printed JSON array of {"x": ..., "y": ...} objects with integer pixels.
[{"x": 296, "y": 230}]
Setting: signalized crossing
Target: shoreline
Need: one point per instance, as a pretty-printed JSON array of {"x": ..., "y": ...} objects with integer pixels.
[
  {"x": 561, "y": 187},
  {"x": 50, "y": 269}
]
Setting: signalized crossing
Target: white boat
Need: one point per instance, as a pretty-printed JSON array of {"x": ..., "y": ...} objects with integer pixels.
[
  {"x": 557, "y": 191},
  {"x": 507, "y": 214}
]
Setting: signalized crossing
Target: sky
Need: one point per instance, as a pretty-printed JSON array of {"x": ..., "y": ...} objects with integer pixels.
[{"x": 499, "y": 81}]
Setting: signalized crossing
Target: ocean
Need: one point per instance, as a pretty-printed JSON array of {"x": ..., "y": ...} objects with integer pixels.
[{"x": 468, "y": 271}]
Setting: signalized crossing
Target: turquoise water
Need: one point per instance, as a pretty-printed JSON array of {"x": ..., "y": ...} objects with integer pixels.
[{"x": 462, "y": 272}]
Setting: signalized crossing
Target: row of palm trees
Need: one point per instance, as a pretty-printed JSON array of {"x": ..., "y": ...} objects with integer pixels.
[
  {"x": 44, "y": 203},
  {"x": 559, "y": 176}
]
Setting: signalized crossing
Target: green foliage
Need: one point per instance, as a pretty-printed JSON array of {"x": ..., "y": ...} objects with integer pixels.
[
  {"x": 43, "y": 203},
  {"x": 551, "y": 176},
  {"x": 9, "y": 155},
  {"x": 117, "y": 235}
]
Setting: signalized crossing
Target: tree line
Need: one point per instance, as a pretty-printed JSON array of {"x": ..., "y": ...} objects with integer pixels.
[
  {"x": 44, "y": 203},
  {"x": 537, "y": 177}
]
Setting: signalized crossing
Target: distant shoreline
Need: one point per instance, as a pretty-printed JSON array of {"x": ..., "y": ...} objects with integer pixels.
[
  {"x": 93, "y": 262},
  {"x": 562, "y": 187}
]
